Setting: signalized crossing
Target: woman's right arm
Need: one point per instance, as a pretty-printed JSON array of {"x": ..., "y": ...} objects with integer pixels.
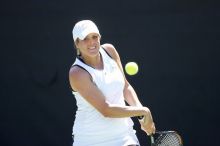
[{"x": 81, "y": 81}]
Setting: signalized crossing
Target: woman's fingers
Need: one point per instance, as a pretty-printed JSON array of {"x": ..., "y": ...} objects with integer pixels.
[{"x": 148, "y": 128}]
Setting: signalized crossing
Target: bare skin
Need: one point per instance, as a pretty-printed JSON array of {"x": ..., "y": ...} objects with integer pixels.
[{"x": 81, "y": 82}]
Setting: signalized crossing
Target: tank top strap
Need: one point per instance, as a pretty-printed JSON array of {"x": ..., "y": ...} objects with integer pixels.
[
  {"x": 105, "y": 56},
  {"x": 78, "y": 62},
  {"x": 105, "y": 52}
]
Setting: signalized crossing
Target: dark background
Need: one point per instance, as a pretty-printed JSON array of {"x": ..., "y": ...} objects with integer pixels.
[{"x": 175, "y": 43}]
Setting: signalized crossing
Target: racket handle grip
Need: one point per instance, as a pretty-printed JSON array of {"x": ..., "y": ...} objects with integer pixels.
[{"x": 152, "y": 140}]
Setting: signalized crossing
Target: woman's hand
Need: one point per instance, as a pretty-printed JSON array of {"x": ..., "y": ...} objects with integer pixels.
[{"x": 147, "y": 124}]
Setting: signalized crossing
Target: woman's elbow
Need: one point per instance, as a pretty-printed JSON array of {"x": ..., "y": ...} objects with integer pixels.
[{"x": 106, "y": 112}]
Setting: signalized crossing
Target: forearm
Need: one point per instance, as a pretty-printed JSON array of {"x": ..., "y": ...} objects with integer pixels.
[
  {"x": 118, "y": 111},
  {"x": 132, "y": 99},
  {"x": 131, "y": 96}
]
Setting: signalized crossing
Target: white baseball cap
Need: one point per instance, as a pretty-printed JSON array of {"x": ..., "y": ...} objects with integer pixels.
[{"x": 83, "y": 28}]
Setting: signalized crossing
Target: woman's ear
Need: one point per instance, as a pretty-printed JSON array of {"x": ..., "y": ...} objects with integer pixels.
[
  {"x": 75, "y": 43},
  {"x": 76, "y": 47}
]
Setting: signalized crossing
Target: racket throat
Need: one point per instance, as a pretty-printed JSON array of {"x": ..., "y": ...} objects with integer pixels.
[{"x": 152, "y": 140}]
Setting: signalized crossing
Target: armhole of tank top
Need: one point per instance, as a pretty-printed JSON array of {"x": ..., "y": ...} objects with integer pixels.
[
  {"x": 107, "y": 52},
  {"x": 81, "y": 68}
]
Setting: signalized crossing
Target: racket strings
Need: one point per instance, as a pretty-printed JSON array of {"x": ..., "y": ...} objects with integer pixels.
[{"x": 169, "y": 139}]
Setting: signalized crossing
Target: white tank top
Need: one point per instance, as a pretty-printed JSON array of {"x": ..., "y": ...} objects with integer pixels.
[{"x": 89, "y": 121}]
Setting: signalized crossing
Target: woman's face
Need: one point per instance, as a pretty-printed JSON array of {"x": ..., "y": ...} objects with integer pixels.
[{"x": 90, "y": 45}]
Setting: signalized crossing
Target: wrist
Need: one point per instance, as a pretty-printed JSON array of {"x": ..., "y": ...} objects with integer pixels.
[{"x": 145, "y": 112}]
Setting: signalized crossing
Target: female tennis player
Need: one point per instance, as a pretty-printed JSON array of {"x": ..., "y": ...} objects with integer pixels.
[{"x": 101, "y": 90}]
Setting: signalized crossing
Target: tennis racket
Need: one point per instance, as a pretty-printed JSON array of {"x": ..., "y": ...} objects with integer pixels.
[{"x": 166, "y": 138}]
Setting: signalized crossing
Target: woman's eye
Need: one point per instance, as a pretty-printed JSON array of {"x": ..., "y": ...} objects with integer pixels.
[
  {"x": 95, "y": 37},
  {"x": 85, "y": 39}
]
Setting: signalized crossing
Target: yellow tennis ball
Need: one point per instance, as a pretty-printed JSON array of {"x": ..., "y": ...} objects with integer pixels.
[{"x": 131, "y": 68}]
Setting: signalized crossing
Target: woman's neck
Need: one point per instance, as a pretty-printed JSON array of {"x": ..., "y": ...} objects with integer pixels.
[{"x": 95, "y": 62}]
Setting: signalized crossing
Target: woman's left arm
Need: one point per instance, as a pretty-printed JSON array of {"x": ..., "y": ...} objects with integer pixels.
[{"x": 129, "y": 93}]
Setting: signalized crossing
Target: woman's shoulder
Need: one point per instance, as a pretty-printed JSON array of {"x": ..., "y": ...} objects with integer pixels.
[
  {"x": 78, "y": 77},
  {"x": 111, "y": 50},
  {"x": 77, "y": 72}
]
